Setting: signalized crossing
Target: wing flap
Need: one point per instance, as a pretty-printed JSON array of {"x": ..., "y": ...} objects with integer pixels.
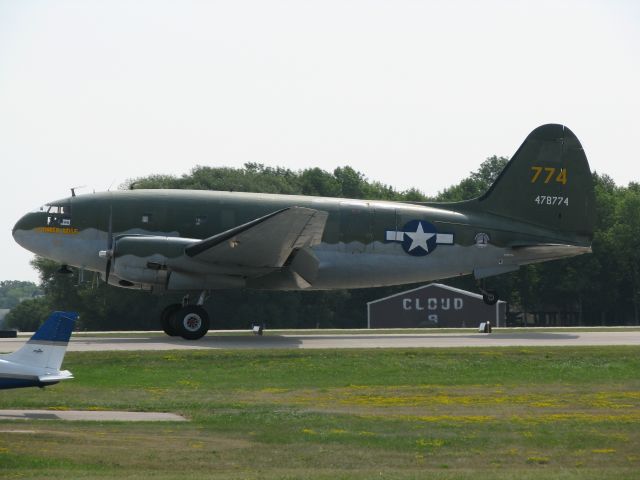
[{"x": 265, "y": 242}]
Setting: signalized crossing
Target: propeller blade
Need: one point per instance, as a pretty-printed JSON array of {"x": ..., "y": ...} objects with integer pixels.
[
  {"x": 110, "y": 230},
  {"x": 107, "y": 271},
  {"x": 109, "y": 252}
]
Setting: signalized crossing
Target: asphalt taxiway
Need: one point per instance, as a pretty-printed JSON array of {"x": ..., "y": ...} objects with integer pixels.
[{"x": 502, "y": 338}]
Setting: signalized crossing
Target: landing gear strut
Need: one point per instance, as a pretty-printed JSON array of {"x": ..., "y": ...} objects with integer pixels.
[{"x": 190, "y": 322}]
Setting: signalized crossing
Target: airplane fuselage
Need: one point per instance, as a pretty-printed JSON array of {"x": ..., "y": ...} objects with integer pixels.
[
  {"x": 541, "y": 207},
  {"x": 365, "y": 243}
]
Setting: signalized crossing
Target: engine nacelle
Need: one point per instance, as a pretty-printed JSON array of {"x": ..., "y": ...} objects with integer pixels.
[
  {"x": 141, "y": 259},
  {"x": 160, "y": 264}
]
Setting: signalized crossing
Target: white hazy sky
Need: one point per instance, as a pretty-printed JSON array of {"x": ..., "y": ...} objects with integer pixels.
[{"x": 410, "y": 93}]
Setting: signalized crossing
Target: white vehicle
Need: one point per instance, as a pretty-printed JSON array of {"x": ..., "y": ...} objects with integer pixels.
[{"x": 37, "y": 363}]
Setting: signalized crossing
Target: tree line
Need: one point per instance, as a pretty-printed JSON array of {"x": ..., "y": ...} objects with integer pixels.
[
  {"x": 598, "y": 289},
  {"x": 12, "y": 292}
]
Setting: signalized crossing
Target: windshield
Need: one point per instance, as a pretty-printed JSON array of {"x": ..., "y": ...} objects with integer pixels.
[{"x": 58, "y": 214}]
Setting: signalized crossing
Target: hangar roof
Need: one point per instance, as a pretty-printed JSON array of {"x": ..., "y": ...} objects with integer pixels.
[{"x": 436, "y": 285}]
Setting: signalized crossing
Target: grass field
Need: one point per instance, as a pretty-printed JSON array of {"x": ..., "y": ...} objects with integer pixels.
[{"x": 552, "y": 413}]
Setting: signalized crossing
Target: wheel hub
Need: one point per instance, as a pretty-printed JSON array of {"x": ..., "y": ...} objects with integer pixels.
[{"x": 192, "y": 322}]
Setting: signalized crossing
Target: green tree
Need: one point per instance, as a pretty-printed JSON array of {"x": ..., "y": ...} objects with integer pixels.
[
  {"x": 352, "y": 183},
  {"x": 12, "y": 292},
  {"x": 28, "y": 315},
  {"x": 316, "y": 181},
  {"x": 623, "y": 237},
  {"x": 477, "y": 183}
]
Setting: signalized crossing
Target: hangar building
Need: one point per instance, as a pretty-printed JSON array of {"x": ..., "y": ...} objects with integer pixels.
[{"x": 434, "y": 305}]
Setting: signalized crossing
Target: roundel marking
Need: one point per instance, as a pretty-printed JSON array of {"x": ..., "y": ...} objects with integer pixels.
[{"x": 420, "y": 238}]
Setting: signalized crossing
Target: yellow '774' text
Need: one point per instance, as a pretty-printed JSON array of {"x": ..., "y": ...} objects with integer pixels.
[{"x": 548, "y": 174}]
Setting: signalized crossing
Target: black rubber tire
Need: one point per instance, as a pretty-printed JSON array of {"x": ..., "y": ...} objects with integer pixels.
[
  {"x": 166, "y": 316},
  {"x": 490, "y": 297},
  {"x": 191, "y": 322}
]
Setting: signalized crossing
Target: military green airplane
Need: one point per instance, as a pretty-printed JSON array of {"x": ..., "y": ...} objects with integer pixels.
[{"x": 541, "y": 207}]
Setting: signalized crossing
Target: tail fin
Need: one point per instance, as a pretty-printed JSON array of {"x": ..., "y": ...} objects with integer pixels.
[
  {"x": 46, "y": 348},
  {"x": 547, "y": 183}
]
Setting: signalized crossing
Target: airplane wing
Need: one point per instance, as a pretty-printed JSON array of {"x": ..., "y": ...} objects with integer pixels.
[{"x": 265, "y": 242}]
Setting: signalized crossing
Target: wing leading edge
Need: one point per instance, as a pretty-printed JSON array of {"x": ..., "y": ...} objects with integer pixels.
[{"x": 266, "y": 242}]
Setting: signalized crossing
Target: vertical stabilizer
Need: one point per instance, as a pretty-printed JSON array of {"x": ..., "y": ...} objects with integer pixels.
[
  {"x": 548, "y": 184},
  {"x": 46, "y": 348}
]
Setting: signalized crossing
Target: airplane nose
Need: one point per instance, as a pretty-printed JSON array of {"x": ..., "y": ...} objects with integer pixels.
[
  {"x": 17, "y": 226},
  {"x": 23, "y": 227},
  {"x": 22, "y": 224}
]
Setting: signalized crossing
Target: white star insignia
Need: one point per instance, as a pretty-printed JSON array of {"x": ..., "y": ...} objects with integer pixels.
[{"x": 419, "y": 238}]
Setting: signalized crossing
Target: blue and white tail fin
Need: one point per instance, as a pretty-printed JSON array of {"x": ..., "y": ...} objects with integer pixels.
[{"x": 46, "y": 348}]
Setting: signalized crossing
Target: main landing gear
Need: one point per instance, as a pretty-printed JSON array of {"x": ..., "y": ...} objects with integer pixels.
[
  {"x": 489, "y": 295},
  {"x": 190, "y": 322}
]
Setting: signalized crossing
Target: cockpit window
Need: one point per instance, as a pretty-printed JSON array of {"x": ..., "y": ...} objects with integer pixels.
[
  {"x": 58, "y": 214},
  {"x": 59, "y": 209}
]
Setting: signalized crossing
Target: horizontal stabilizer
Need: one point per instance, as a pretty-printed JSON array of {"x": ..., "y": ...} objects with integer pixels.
[{"x": 63, "y": 375}]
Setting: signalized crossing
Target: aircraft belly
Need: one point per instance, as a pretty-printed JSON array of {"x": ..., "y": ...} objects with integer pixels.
[
  {"x": 13, "y": 375},
  {"x": 20, "y": 376},
  {"x": 387, "y": 264},
  {"x": 8, "y": 382}
]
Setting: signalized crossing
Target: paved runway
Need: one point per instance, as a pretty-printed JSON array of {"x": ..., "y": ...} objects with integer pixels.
[{"x": 502, "y": 338}]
